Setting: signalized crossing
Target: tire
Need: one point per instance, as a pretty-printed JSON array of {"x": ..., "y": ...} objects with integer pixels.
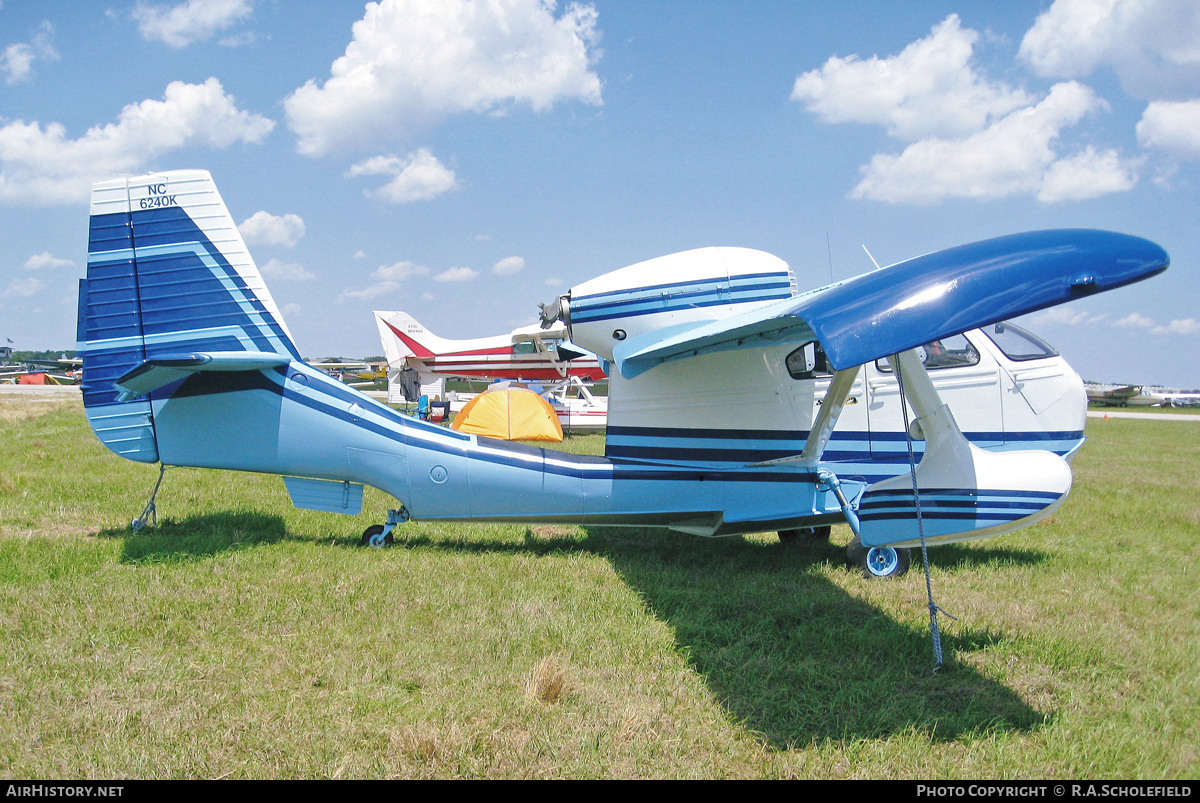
[
  {"x": 884, "y": 562},
  {"x": 371, "y": 532}
]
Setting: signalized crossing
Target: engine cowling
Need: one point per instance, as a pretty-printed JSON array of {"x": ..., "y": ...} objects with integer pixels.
[{"x": 702, "y": 284}]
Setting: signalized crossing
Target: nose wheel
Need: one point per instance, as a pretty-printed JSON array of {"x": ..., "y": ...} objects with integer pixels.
[{"x": 879, "y": 561}]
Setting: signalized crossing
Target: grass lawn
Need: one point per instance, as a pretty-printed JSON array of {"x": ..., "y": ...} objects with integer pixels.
[{"x": 246, "y": 639}]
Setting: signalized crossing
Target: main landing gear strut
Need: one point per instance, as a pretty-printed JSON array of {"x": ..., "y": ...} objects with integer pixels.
[{"x": 380, "y": 535}]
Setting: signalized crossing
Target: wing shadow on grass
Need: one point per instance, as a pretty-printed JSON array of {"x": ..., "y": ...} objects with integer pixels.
[
  {"x": 951, "y": 557},
  {"x": 789, "y": 653},
  {"x": 198, "y": 537},
  {"x": 794, "y": 656}
]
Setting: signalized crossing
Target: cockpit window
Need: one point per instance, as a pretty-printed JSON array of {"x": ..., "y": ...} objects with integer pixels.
[
  {"x": 524, "y": 347},
  {"x": 949, "y": 352},
  {"x": 807, "y": 362},
  {"x": 1018, "y": 344}
]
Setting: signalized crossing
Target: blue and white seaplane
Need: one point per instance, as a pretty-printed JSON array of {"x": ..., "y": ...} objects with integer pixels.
[{"x": 737, "y": 404}]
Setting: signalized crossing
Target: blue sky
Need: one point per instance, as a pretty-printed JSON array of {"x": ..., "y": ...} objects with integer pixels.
[{"x": 462, "y": 161}]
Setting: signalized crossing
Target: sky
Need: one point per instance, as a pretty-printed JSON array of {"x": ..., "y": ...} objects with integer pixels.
[{"x": 463, "y": 160}]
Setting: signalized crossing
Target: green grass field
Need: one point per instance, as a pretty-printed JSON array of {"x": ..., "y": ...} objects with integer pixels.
[{"x": 246, "y": 639}]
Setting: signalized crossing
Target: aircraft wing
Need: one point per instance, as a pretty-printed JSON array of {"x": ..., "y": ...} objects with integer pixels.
[
  {"x": 919, "y": 300},
  {"x": 160, "y": 371}
]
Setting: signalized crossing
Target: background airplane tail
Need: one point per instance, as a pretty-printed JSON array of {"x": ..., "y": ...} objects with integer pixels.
[
  {"x": 403, "y": 336},
  {"x": 169, "y": 279}
]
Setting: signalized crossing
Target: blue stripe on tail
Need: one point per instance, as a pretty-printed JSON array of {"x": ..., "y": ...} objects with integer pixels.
[{"x": 157, "y": 285}]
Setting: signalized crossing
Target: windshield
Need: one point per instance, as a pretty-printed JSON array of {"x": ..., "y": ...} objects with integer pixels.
[{"x": 1018, "y": 344}]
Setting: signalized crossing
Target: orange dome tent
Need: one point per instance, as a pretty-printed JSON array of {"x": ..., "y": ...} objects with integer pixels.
[{"x": 510, "y": 412}]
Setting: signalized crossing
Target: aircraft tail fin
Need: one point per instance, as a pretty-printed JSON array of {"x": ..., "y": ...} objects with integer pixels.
[
  {"x": 169, "y": 278},
  {"x": 403, "y": 336}
]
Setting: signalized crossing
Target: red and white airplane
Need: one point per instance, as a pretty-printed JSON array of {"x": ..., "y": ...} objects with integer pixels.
[{"x": 528, "y": 353}]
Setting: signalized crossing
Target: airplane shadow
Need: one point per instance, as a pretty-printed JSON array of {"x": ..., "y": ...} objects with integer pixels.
[
  {"x": 787, "y": 652},
  {"x": 197, "y": 537},
  {"x": 954, "y": 556},
  {"x": 794, "y": 656}
]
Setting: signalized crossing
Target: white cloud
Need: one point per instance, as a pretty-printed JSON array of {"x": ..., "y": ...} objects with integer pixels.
[
  {"x": 970, "y": 137},
  {"x": 46, "y": 260},
  {"x": 193, "y": 21},
  {"x": 1014, "y": 155},
  {"x": 1172, "y": 127},
  {"x": 1186, "y": 326},
  {"x": 43, "y": 166},
  {"x": 367, "y": 293},
  {"x": 287, "y": 271},
  {"x": 1087, "y": 174},
  {"x": 1153, "y": 46},
  {"x": 1135, "y": 320},
  {"x": 360, "y": 254},
  {"x": 554, "y": 282},
  {"x": 263, "y": 228},
  {"x": 456, "y": 275},
  {"x": 22, "y": 288},
  {"x": 508, "y": 266},
  {"x": 411, "y": 63},
  {"x": 928, "y": 88},
  {"x": 419, "y": 177},
  {"x": 391, "y": 278},
  {"x": 247, "y": 38},
  {"x": 16, "y": 62},
  {"x": 399, "y": 271}
]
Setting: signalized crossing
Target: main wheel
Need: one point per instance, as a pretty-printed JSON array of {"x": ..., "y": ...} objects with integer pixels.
[
  {"x": 371, "y": 532},
  {"x": 814, "y": 533},
  {"x": 879, "y": 561}
]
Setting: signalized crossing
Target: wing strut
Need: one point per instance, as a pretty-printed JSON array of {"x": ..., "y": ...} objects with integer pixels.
[{"x": 818, "y": 438}]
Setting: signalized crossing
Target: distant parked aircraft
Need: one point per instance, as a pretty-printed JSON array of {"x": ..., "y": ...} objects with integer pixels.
[{"x": 528, "y": 353}]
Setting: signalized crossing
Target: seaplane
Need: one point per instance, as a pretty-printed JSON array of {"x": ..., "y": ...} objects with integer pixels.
[
  {"x": 900, "y": 402},
  {"x": 543, "y": 358}
]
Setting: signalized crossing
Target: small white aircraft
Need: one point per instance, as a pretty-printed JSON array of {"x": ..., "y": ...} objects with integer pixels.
[
  {"x": 578, "y": 410},
  {"x": 526, "y": 354},
  {"x": 1140, "y": 396},
  {"x": 1175, "y": 398},
  {"x": 736, "y": 405}
]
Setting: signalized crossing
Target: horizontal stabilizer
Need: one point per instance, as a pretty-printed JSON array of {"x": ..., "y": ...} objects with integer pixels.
[
  {"x": 923, "y": 299},
  {"x": 164, "y": 369},
  {"x": 329, "y": 496}
]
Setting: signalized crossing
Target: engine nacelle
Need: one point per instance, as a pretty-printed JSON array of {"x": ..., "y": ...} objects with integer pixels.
[{"x": 703, "y": 284}]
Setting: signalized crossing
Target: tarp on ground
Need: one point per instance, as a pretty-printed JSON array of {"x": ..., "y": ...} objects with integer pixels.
[
  {"x": 509, "y": 412},
  {"x": 34, "y": 379}
]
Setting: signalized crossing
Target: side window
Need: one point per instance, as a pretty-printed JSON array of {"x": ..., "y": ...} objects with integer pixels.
[
  {"x": 1018, "y": 344},
  {"x": 949, "y": 352},
  {"x": 807, "y": 362},
  {"x": 526, "y": 347}
]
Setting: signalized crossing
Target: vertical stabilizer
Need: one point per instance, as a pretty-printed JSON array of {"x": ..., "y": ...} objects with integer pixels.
[{"x": 168, "y": 274}]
